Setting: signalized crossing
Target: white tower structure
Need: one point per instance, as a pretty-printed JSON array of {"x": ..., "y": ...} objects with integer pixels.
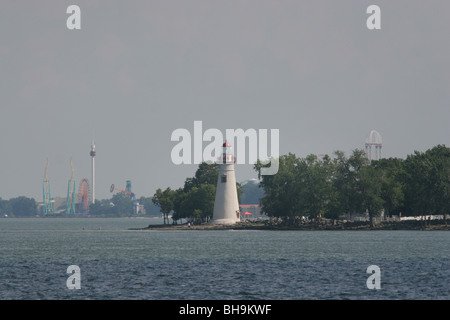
[
  {"x": 226, "y": 205},
  {"x": 374, "y": 141},
  {"x": 93, "y": 153}
]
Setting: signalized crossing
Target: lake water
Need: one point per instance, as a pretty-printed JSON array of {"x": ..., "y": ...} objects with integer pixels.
[{"x": 118, "y": 263}]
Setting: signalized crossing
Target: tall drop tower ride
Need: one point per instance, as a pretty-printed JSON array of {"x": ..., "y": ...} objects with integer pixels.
[{"x": 93, "y": 153}]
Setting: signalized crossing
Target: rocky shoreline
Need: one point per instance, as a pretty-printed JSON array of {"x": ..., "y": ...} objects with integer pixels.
[{"x": 309, "y": 226}]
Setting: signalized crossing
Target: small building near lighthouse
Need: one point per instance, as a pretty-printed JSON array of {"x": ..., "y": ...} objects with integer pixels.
[{"x": 226, "y": 204}]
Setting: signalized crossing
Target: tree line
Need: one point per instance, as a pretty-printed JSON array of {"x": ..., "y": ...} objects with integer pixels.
[
  {"x": 317, "y": 187},
  {"x": 18, "y": 207},
  {"x": 120, "y": 204},
  {"x": 331, "y": 187}
]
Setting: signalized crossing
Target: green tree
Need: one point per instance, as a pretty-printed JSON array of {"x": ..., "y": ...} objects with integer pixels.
[
  {"x": 358, "y": 184},
  {"x": 122, "y": 204},
  {"x": 205, "y": 197},
  {"x": 197, "y": 203},
  {"x": 283, "y": 189},
  {"x": 181, "y": 209},
  {"x": 23, "y": 206},
  {"x": 205, "y": 174},
  {"x": 440, "y": 174},
  {"x": 416, "y": 190},
  {"x": 100, "y": 207},
  {"x": 370, "y": 184},
  {"x": 392, "y": 171},
  {"x": 347, "y": 193},
  {"x": 165, "y": 201},
  {"x": 427, "y": 181},
  {"x": 316, "y": 177}
]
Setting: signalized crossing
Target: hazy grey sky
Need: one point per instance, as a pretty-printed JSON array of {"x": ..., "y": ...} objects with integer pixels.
[{"x": 138, "y": 70}]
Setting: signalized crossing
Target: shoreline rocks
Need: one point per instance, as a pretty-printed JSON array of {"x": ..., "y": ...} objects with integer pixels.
[{"x": 310, "y": 226}]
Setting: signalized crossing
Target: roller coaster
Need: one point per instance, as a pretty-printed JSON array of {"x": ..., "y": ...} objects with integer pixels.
[{"x": 47, "y": 203}]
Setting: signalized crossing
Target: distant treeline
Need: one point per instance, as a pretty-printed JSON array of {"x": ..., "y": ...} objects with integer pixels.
[
  {"x": 332, "y": 187},
  {"x": 18, "y": 207}
]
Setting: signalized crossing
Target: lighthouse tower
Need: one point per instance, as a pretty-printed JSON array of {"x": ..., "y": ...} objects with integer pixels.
[{"x": 226, "y": 206}]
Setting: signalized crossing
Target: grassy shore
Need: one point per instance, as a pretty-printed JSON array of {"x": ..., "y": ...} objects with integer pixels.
[{"x": 309, "y": 226}]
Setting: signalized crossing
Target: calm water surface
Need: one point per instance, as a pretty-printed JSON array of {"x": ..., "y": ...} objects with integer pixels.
[{"x": 118, "y": 263}]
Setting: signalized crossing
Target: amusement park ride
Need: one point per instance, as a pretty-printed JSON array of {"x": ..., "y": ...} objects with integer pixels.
[
  {"x": 78, "y": 202},
  {"x": 75, "y": 202},
  {"x": 47, "y": 204}
]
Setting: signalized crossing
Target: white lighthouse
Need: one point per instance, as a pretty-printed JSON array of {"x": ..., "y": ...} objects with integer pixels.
[
  {"x": 226, "y": 205},
  {"x": 93, "y": 154}
]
